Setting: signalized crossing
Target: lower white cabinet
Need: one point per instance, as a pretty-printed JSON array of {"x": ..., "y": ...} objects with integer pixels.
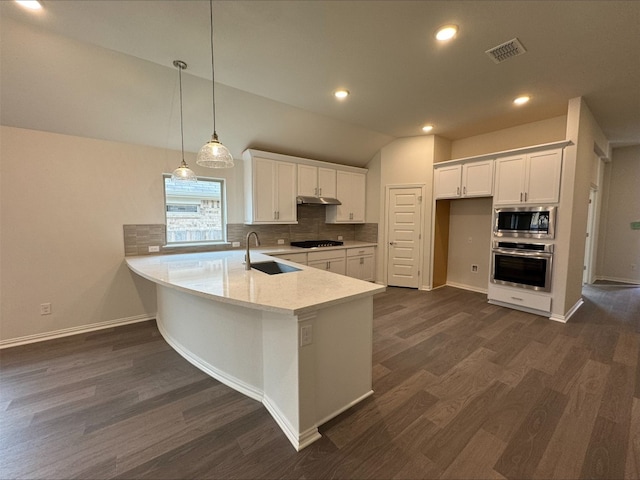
[
  {"x": 361, "y": 263},
  {"x": 520, "y": 297},
  {"x": 330, "y": 260}
]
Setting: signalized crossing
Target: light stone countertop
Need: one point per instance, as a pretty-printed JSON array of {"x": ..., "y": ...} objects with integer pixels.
[{"x": 221, "y": 276}]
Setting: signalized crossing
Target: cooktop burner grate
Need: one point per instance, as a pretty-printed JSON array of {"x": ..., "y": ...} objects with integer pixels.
[{"x": 317, "y": 243}]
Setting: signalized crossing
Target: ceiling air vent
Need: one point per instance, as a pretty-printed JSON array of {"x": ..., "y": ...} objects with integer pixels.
[{"x": 506, "y": 50}]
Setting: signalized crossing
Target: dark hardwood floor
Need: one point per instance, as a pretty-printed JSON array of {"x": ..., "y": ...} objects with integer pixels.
[{"x": 463, "y": 390}]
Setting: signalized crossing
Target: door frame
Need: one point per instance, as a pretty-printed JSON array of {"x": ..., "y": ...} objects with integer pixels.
[{"x": 385, "y": 230}]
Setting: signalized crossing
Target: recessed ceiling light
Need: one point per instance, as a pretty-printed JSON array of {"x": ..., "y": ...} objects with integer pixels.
[
  {"x": 522, "y": 100},
  {"x": 30, "y": 4},
  {"x": 446, "y": 32},
  {"x": 341, "y": 93},
  {"x": 427, "y": 128}
]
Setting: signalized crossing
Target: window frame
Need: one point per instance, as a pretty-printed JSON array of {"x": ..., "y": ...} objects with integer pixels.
[{"x": 223, "y": 213}]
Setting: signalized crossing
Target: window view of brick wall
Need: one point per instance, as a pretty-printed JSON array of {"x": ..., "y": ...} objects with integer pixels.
[{"x": 194, "y": 211}]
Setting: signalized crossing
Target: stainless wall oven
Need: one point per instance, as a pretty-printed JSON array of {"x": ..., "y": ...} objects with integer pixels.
[
  {"x": 522, "y": 265},
  {"x": 526, "y": 222}
]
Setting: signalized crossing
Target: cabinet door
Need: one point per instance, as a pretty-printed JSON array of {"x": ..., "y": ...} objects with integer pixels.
[
  {"x": 354, "y": 268},
  {"x": 307, "y": 180},
  {"x": 477, "y": 179},
  {"x": 264, "y": 207},
  {"x": 285, "y": 192},
  {"x": 362, "y": 267},
  {"x": 543, "y": 177},
  {"x": 446, "y": 181},
  {"x": 343, "y": 192},
  {"x": 326, "y": 182},
  {"x": 510, "y": 176},
  {"x": 358, "y": 194},
  {"x": 337, "y": 266}
]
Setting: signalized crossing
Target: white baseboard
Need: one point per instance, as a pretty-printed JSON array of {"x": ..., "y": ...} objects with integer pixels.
[
  {"x": 467, "y": 287},
  {"x": 631, "y": 282},
  {"x": 565, "y": 318},
  {"x": 66, "y": 332}
]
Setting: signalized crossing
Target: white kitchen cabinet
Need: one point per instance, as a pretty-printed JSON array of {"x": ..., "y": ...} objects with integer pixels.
[
  {"x": 532, "y": 178},
  {"x": 270, "y": 191},
  {"x": 351, "y": 191},
  {"x": 300, "y": 258},
  {"x": 316, "y": 181},
  {"x": 361, "y": 263},
  {"x": 463, "y": 180},
  {"x": 330, "y": 260}
]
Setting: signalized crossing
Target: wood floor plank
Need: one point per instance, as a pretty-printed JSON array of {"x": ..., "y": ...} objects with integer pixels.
[
  {"x": 529, "y": 442},
  {"x": 606, "y": 453},
  {"x": 567, "y": 448},
  {"x": 632, "y": 467},
  {"x": 477, "y": 459}
]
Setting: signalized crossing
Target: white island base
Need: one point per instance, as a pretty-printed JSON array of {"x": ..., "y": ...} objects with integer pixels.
[{"x": 259, "y": 353}]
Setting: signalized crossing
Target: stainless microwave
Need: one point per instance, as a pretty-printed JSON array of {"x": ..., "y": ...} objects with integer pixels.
[{"x": 526, "y": 222}]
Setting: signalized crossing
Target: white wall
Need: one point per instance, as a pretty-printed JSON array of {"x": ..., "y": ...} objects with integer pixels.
[
  {"x": 64, "y": 201},
  {"x": 408, "y": 161},
  {"x": 535, "y": 133},
  {"x": 469, "y": 243},
  {"x": 619, "y": 246}
]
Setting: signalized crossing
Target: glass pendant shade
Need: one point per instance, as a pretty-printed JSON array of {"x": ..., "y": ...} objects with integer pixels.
[
  {"x": 214, "y": 155},
  {"x": 183, "y": 174}
]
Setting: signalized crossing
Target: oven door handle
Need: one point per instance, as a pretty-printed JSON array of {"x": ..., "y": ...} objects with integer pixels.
[{"x": 522, "y": 253}]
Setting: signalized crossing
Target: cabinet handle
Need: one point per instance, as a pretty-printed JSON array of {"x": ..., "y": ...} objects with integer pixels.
[
  {"x": 316, "y": 190},
  {"x": 464, "y": 190},
  {"x": 275, "y": 215},
  {"x": 320, "y": 192},
  {"x": 520, "y": 196},
  {"x": 457, "y": 190},
  {"x": 525, "y": 196},
  {"x": 361, "y": 260},
  {"x": 328, "y": 265}
]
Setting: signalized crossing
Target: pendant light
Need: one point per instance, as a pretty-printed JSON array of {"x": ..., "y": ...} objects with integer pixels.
[
  {"x": 183, "y": 173},
  {"x": 213, "y": 154}
]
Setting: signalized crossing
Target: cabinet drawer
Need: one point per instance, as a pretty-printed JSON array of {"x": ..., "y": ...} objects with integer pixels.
[
  {"x": 325, "y": 255},
  {"x": 521, "y": 297},
  {"x": 294, "y": 257},
  {"x": 357, "y": 252}
]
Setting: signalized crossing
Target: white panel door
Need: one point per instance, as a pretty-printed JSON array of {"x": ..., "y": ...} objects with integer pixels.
[{"x": 403, "y": 234}]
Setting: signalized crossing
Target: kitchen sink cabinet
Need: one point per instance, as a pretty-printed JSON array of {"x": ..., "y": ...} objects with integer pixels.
[
  {"x": 361, "y": 263},
  {"x": 316, "y": 181},
  {"x": 463, "y": 180},
  {"x": 270, "y": 191},
  {"x": 532, "y": 178},
  {"x": 351, "y": 191}
]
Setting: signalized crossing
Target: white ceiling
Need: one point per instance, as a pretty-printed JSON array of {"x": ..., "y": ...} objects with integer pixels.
[{"x": 103, "y": 69}]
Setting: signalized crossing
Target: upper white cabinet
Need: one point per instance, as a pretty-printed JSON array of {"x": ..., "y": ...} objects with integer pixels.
[
  {"x": 316, "y": 181},
  {"x": 532, "y": 178},
  {"x": 270, "y": 191},
  {"x": 351, "y": 191},
  {"x": 462, "y": 180}
]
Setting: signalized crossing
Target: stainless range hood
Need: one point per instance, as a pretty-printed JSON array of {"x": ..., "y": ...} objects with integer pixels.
[{"x": 308, "y": 200}]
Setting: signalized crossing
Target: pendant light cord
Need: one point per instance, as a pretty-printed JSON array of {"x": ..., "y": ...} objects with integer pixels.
[
  {"x": 180, "y": 67},
  {"x": 213, "y": 76}
]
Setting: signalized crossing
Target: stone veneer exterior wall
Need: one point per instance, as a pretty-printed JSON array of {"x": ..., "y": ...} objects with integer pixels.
[{"x": 311, "y": 226}]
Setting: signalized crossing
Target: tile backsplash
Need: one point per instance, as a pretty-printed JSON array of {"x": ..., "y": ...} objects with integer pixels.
[{"x": 311, "y": 226}]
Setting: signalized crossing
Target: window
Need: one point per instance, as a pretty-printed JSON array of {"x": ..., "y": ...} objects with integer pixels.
[{"x": 195, "y": 211}]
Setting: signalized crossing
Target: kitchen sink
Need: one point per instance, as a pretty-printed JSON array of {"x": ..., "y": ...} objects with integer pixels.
[{"x": 273, "y": 268}]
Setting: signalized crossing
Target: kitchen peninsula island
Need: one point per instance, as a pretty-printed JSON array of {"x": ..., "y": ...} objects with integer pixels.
[{"x": 299, "y": 342}]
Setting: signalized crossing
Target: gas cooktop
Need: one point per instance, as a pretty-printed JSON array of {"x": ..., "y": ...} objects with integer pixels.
[{"x": 316, "y": 243}]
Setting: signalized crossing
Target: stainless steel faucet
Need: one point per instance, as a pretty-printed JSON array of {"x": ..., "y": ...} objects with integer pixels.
[{"x": 247, "y": 258}]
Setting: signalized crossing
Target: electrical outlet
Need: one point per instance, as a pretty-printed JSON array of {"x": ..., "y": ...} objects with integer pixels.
[
  {"x": 45, "y": 309},
  {"x": 306, "y": 335},
  {"x": 340, "y": 237},
  {"x": 474, "y": 268},
  {"x": 154, "y": 248},
  {"x": 235, "y": 244},
  {"x": 281, "y": 241}
]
